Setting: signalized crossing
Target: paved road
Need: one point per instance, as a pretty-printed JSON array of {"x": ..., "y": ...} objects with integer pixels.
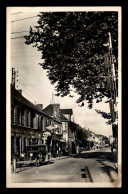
[{"x": 95, "y": 166}]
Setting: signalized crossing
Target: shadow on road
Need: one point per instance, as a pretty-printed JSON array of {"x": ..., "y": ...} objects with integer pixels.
[
  {"x": 108, "y": 169},
  {"x": 104, "y": 156}
]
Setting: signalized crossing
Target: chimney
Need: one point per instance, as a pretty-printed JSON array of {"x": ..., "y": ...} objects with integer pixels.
[
  {"x": 56, "y": 109},
  {"x": 40, "y": 106}
]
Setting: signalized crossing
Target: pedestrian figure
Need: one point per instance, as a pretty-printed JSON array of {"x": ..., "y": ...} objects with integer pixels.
[{"x": 59, "y": 152}]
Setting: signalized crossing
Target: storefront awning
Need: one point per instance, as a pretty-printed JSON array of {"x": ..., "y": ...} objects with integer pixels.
[
  {"x": 62, "y": 140},
  {"x": 59, "y": 140}
]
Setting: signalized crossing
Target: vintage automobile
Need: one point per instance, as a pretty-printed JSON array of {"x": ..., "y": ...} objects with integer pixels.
[{"x": 36, "y": 154}]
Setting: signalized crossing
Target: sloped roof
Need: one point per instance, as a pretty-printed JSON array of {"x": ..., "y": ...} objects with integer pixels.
[
  {"x": 73, "y": 126},
  {"x": 63, "y": 118},
  {"x": 19, "y": 98},
  {"x": 49, "y": 110},
  {"x": 80, "y": 132},
  {"x": 66, "y": 111}
]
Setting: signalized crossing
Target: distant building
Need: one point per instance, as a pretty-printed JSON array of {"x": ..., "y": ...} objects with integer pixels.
[{"x": 97, "y": 139}]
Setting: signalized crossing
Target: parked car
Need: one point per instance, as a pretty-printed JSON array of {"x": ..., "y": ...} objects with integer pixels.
[{"x": 33, "y": 154}]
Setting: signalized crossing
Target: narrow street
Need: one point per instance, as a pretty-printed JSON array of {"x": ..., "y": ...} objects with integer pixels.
[{"x": 93, "y": 166}]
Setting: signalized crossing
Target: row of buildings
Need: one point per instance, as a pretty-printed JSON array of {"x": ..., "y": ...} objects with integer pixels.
[
  {"x": 97, "y": 140},
  {"x": 31, "y": 124}
]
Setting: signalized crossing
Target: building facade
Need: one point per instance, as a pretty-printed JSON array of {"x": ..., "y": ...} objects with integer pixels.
[
  {"x": 28, "y": 123},
  {"x": 64, "y": 116}
]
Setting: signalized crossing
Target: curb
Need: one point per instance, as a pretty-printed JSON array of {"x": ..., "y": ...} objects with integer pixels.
[{"x": 59, "y": 158}]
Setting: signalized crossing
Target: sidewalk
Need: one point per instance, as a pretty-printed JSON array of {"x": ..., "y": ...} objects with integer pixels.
[{"x": 107, "y": 163}]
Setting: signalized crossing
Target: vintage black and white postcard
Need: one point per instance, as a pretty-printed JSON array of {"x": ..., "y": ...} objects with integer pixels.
[{"x": 63, "y": 97}]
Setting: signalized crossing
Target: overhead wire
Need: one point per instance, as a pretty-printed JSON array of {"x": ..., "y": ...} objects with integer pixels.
[
  {"x": 18, "y": 37},
  {"x": 24, "y": 81},
  {"x": 24, "y": 19},
  {"x": 29, "y": 83},
  {"x": 24, "y": 89},
  {"x": 38, "y": 16},
  {"x": 34, "y": 17},
  {"x": 27, "y": 88},
  {"x": 20, "y": 32},
  {"x": 28, "y": 31},
  {"x": 16, "y": 13},
  {"x": 29, "y": 95},
  {"x": 33, "y": 101}
]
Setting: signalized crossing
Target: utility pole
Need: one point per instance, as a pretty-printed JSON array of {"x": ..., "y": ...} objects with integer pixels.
[
  {"x": 13, "y": 77},
  {"x": 13, "y": 85},
  {"x": 111, "y": 84},
  {"x": 13, "y": 89}
]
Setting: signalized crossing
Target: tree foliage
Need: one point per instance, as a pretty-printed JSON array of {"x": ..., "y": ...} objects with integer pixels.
[
  {"x": 72, "y": 50},
  {"x": 108, "y": 116}
]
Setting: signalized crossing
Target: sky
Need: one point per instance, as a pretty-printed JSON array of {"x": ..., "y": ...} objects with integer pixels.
[{"x": 33, "y": 80}]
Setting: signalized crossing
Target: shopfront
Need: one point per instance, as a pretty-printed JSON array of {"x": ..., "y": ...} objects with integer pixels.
[{"x": 22, "y": 137}]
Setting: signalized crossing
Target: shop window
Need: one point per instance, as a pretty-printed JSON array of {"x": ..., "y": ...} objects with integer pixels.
[
  {"x": 22, "y": 117},
  {"x": 38, "y": 122},
  {"x": 31, "y": 120},
  {"x": 18, "y": 116},
  {"x": 27, "y": 119},
  {"x": 14, "y": 121},
  {"x": 44, "y": 123},
  {"x": 18, "y": 145},
  {"x": 41, "y": 123}
]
